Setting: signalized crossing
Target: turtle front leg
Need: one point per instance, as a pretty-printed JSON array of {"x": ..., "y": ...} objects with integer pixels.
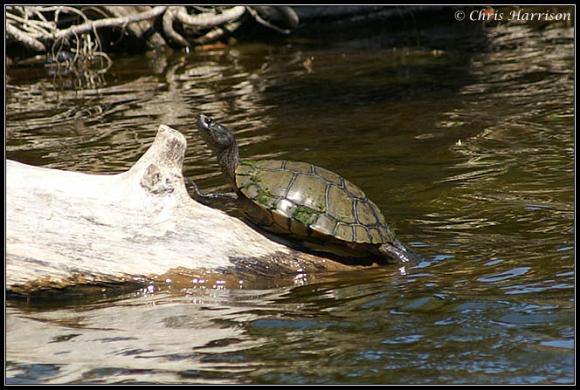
[{"x": 208, "y": 199}]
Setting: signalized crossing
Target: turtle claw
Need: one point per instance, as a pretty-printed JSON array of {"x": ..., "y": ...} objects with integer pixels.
[{"x": 397, "y": 251}]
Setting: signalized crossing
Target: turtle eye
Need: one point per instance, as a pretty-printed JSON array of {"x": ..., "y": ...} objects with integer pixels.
[{"x": 205, "y": 120}]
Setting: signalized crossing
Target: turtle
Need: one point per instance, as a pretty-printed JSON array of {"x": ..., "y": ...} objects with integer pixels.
[{"x": 306, "y": 204}]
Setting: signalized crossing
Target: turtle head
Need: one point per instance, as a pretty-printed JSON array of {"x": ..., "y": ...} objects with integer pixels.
[
  {"x": 222, "y": 141},
  {"x": 217, "y": 136}
]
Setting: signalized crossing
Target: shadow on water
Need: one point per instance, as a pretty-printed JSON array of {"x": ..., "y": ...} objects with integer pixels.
[{"x": 468, "y": 150}]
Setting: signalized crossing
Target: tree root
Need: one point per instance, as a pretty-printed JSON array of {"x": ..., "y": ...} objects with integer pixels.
[
  {"x": 67, "y": 34},
  {"x": 199, "y": 21},
  {"x": 24, "y": 38}
]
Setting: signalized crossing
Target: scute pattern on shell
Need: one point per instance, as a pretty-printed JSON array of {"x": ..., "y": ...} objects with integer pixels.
[{"x": 302, "y": 199}]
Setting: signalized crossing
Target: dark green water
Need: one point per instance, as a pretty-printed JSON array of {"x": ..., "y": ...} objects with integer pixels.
[{"x": 468, "y": 150}]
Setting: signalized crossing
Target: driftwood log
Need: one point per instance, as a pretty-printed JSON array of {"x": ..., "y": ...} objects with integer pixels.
[{"x": 68, "y": 229}]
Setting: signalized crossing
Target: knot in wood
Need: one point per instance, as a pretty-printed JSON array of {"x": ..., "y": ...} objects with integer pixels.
[{"x": 156, "y": 181}]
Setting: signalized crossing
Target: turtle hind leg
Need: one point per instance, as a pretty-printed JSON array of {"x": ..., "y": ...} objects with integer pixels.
[{"x": 396, "y": 252}]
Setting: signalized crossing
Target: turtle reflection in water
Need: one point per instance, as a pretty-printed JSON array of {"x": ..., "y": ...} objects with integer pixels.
[{"x": 307, "y": 204}]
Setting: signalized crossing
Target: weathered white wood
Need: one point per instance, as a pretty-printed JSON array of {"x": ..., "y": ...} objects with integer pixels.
[{"x": 68, "y": 228}]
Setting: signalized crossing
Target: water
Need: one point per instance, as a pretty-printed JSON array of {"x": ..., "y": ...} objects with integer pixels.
[{"x": 467, "y": 148}]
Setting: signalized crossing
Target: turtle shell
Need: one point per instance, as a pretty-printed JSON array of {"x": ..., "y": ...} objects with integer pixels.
[{"x": 310, "y": 203}]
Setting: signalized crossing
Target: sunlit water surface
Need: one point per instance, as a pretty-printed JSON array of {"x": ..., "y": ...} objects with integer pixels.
[{"x": 467, "y": 149}]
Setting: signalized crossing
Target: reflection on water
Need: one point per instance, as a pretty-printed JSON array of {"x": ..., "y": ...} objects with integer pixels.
[{"x": 469, "y": 152}]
